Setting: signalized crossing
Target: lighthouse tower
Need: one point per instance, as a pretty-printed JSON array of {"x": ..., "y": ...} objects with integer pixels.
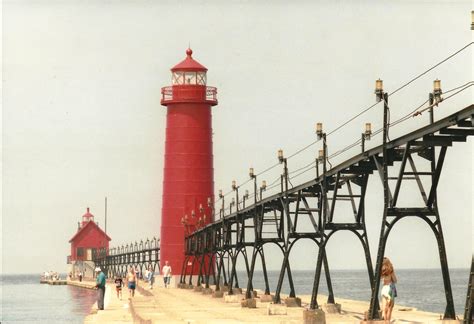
[{"x": 188, "y": 182}]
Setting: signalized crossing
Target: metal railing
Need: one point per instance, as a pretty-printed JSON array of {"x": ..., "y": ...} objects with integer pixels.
[
  {"x": 139, "y": 254},
  {"x": 189, "y": 93}
]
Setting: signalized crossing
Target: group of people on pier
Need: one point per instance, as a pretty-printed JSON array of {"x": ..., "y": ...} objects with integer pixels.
[
  {"x": 50, "y": 275},
  {"x": 133, "y": 275},
  {"x": 388, "y": 292}
]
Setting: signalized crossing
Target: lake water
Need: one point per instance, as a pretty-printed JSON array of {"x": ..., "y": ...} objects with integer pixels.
[
  {"x": 25, "y": 300},
  {"x": 419, "y": 288}
]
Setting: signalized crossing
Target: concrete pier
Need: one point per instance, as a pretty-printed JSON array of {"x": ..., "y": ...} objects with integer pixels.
[
  {"x": 55, "y": 282},
  {"x": 174, "y": 305},
  {"x": 115, "y": 310},
  {"x": 83, "y": 284}
]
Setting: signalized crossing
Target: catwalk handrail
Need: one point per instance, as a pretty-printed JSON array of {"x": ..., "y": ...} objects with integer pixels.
[{"x": 450, "y": 120}]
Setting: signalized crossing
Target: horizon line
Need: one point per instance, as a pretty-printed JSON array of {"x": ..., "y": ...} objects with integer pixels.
[{"x": 454, "y": 268}]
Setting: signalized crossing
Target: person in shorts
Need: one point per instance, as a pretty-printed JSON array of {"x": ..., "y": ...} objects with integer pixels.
[
  {"x": 131, "y": 282},
  {"x": 118, "y": 286},
  {"x": 389, "y": 290},
  {"x": 137, "y": 275},
  {"x": 151, "y": 276},
  {"x": 166, "y": 274}
]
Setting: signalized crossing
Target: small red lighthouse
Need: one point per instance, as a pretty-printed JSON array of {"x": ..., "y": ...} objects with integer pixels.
[
  {"x": 88, "y": 239},
  {"x": 188, "y": 182}
]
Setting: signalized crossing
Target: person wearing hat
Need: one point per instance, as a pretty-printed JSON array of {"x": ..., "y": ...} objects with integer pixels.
[{"x": 100, "y": 285}]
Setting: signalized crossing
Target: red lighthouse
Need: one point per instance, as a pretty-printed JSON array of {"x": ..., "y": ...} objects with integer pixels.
[
  {"x": 88, "y": 239},
  {"x": 188, "y": 180}
]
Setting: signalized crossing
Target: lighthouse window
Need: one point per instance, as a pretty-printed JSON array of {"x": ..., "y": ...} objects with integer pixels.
[
  {"x": 178, "y": 78},
  {"x": 80, "y": 252},
  {"x": 201, "y": 78},
  {"x": 190, "y": 77}
]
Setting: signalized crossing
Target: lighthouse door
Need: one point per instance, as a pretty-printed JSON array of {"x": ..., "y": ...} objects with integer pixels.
[{"x": 89, "y": 254}]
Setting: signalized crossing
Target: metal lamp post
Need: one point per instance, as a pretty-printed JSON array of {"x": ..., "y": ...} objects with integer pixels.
[
  {"x": 203, "y": 216},
  {"x": 221, "y": 196},
  {"x": 381, "y": 95},
  {"x": 245, "y": 197},
  {"x": 232, "y": 203},
  {"x": 184, "y": 221},
  {"x": 284, "y": 177},
  {"x": 322, "y": 158},
  {"x": 263, "y": 187},
  {"x": 435, "y": 98},
  {"x": 366, "y": 135},
  {"x": 472, "y": 20},
  {"x": 254, "y": 177},
  {"x": 236, "y": 189},
  {"x": 211, "y": 206}
]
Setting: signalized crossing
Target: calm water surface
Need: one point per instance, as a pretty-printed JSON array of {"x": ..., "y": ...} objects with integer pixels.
[
  {"x": 419, "y": 288},
  {"x": 25, "y": 300}
]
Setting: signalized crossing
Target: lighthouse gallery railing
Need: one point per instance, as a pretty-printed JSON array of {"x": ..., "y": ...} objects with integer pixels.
[{"x": 189, "y": 93}]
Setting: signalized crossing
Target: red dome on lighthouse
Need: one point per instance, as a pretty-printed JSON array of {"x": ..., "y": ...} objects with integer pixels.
[
  {"x": 88, "y": 214},
  {"x": 189, "y": 64},
  {"x": 87, "y": 217}
]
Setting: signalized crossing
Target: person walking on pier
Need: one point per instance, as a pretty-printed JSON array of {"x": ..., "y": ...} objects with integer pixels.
[
  {"x": 137, "y": 275},
  {"x": 389, "y": 290},
  {"x": 151, "y": 276},
  {"x": 100, "y": 285},
  {"x": 118, "y": 285},
  {"x": 131, "y": 282},
  {"x": 167, "y": 274}
]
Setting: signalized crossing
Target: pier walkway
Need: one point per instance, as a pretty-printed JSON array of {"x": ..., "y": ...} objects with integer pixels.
[
  {"x": 115, "y": 310},
  {"x": 172, "y": 305}
]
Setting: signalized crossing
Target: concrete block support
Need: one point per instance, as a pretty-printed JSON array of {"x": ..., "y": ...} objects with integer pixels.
[
  {"x": 366, "y": 317},
  {"x": 314, "y": 316},
  {"x": 198, "y": 288},
  {"x": 293, "y": 302},
  {"x": 276, "y": 309},
  {"x": 332, "y": 308},
  {"x": 267, "y": 298},
  {"x": 218, "y": 294},
  {"x": 237, "y": 290},
  {"x": 250, "y": 303},
  {"x": 253, "y": 293},
  {"x": 233, "y": 298}
]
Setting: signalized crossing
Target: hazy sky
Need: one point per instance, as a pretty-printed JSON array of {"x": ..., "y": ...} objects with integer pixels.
[{"x": 82, "y": 117}]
